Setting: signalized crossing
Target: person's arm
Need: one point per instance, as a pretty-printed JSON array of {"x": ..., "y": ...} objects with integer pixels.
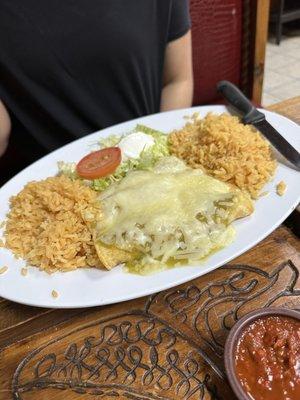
[
  {"x": 178, "y": 74},
  {"x": 5, "y": 127}
]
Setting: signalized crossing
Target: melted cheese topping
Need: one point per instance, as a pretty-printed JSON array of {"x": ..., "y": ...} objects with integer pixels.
[{"x": 168, "y": 215}]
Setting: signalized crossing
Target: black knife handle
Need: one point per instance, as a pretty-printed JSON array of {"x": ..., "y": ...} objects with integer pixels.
[{"x": 238, "y": 100}]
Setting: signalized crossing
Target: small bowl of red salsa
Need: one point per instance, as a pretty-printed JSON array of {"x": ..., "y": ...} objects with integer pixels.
[{"x": 262, "y": 355}]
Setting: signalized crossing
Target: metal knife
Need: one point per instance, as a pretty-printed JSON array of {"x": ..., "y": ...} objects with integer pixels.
[{"x": 254, "y": 117}]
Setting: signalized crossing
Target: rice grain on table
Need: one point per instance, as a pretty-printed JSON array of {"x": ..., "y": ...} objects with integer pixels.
[
  {"x": 45, "y": 225},
  {"x": 227, "y": 149}
]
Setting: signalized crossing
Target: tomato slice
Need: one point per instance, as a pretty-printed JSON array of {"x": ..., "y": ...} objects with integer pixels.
[{"x": 99, "y": 163}]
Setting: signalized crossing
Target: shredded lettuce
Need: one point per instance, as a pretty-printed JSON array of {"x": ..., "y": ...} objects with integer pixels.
[
  {"x": 121, "y": 171},
  {"x": 68, "y": 169},
  {"x": 146, "y": 161},
  {"x": 110, "y": 141}
]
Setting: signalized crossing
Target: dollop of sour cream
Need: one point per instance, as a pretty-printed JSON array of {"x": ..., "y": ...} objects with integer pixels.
[{"x": 132, "y": 145}]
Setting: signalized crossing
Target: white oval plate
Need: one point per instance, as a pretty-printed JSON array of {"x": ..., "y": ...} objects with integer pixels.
[{"x": 92, "y": 287}]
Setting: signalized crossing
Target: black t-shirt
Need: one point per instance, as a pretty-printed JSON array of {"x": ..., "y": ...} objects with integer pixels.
[{"x": 70, "y": 67}]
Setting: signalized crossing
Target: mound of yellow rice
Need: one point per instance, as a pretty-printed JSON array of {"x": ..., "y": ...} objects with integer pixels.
[
  {"x": 45, "y": 225},
  {"x": 226, "y": 149}
]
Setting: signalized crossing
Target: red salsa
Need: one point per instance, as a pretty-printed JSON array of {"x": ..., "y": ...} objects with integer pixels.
[{"x": 267, "y": 359}]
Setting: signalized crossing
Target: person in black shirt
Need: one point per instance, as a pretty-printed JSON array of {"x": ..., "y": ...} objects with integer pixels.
[{"x": 68, "y": 68}]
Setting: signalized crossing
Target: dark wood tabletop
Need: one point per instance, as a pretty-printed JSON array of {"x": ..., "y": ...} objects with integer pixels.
[{"x": 165, "y": 346}]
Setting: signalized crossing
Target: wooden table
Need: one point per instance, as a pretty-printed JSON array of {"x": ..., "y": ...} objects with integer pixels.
[{"x": 166, "y": 346}]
